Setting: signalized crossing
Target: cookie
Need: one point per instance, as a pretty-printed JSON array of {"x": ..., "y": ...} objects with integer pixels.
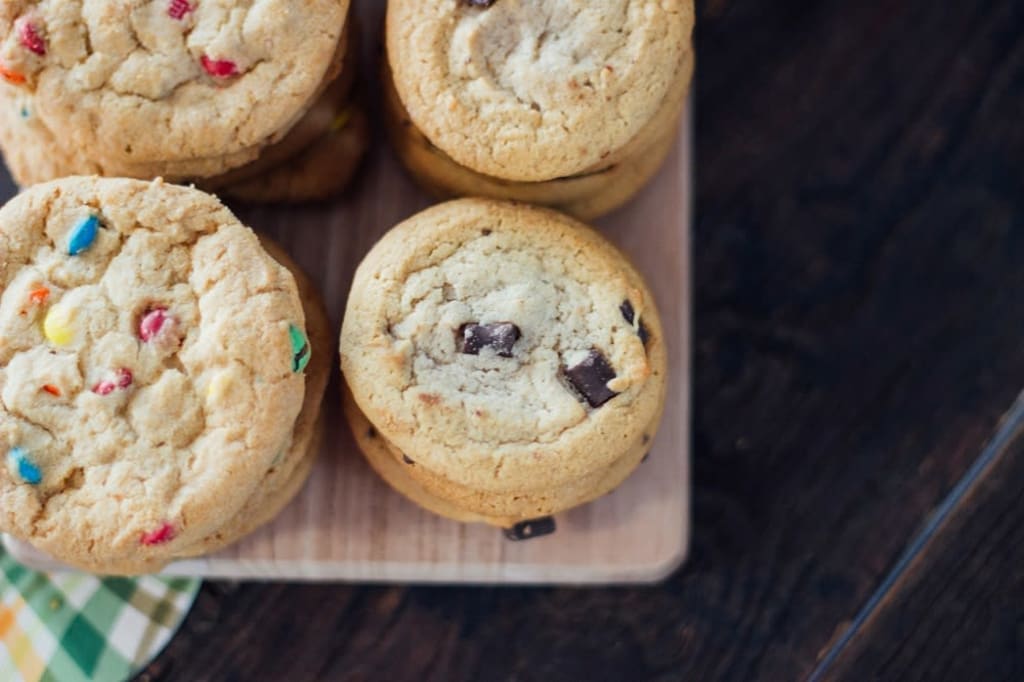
[
  {"x": 292, "y": 466},
  {"x": 153, "y": 360},
  {"x": 586, "y": 196},
  {"x": 509, "y": 355},
  {"x": 531, "y": 91},
  {"x": 166, "y": 84},
  {"x": 395, "y": 467},
  {"x": 325, "y": 168},
  {"x": 316, "y": 123}
]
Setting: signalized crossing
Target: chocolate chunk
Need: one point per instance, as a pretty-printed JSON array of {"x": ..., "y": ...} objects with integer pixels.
[
  {"x": 407, "y": 459},
  {"x": 479, "y": 3},
  {"x": 535, "y": 528},
  {"x": 500, "y": 336},
  {"x": 590, "y": 378},
  {"x": 629, "y": 314},
  {"x": 371, "y": 432}
]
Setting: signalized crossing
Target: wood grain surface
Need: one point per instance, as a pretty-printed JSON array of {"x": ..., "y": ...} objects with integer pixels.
[
  {"x": 956, "y": 611},
  {"x": 858, "y": 279}
]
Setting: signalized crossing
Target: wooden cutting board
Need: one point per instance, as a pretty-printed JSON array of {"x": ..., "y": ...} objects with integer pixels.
[{"x": 348, "y": 525}]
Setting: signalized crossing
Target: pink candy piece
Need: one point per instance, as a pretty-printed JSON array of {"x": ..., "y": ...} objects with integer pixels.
[
  {"x": 164, "y": 533},
  {"x": 29, "y": 37},
  {"x": 152, "y": 323},
  {"x": 219, "y": 68},
  {"x": 123, "y": 379},
  {"x": 178, "y": 9}
]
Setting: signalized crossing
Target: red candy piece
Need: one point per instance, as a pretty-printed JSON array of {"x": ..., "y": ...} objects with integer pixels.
[
  {"x": 152, "y": 322},
  {"x": 178, "y": 9},
  {"x": 219, "y": 68},
  {"x": 164, "y": 533},
  {"x": 29, "y": 36},
  {"x": 123, "y": 379},
  {"x": 51, "y": 389}
]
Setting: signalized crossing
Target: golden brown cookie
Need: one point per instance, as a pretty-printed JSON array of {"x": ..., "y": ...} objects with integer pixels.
[
  {"x": 400, "y": 472},
  {"x": 40, "y": 144},
  {"x": 153, "y": 366},
  {"x": 325, "y": 168},
  {"x": 167, "y": 83},
  {"x": 530, "y": 91},
  {"x": 512, "y": 354},
  {"x": 586, "y": 195}
]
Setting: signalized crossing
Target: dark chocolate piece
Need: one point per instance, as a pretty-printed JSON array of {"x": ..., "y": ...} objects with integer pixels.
[
  {"x": 534, "y": 528},
  {"x": 500, "y": 336},
  {"x": 479, "y": 3},
  {"x": 629, "y": 314},
  {"x": 371, "y": 432},
  {"x": 590, "y": 378},
  {"x": 407, "y": 459}
]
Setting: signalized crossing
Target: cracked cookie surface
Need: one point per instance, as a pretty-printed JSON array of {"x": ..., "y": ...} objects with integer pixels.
[
  {"x": 532, "y": 90},
  {"x": 148, "y": 353},
  {"x": 148, "y": 81},
  {"x": 468, "y": 330}
]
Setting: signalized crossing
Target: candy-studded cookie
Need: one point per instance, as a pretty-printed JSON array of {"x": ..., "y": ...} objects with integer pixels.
[
  {"x": 153, "y": 363},
  {"x": 578, "y": 98},
  {"x": 509, "y": 358},
  {"x": 169, "y": 87},
  {"x": 321, "y": 170},
  {"x": 291, "y": 467}
]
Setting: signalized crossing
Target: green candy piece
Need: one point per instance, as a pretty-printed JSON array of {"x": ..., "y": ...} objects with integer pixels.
[{"x": 301, "y": 351}]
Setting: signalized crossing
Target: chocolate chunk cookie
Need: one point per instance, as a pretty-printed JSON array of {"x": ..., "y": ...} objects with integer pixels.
[{"x": 486, "y": 345}]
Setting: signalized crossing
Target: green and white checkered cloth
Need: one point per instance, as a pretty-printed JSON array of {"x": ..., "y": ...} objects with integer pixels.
[{"x": 64, "y": 627}]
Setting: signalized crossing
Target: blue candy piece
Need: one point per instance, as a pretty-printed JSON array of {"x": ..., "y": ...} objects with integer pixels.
[
  {"x": 28, "y": 471},
  {"x": 83, "y": 235}
]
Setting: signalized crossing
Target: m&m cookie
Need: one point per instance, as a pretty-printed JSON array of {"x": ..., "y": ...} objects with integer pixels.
[{"x": 155, "y": 368}]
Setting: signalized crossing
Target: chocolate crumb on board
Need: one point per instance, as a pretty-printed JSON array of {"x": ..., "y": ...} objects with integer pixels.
[{"x": 534, "y": 528}]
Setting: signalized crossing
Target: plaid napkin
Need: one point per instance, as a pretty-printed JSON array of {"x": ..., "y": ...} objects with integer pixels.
[{"x": 71, "y": 626}]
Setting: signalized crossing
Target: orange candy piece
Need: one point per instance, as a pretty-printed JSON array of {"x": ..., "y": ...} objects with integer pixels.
[
  {"x": 39, "y": 295},
  {"x": 10, "y": 76}
]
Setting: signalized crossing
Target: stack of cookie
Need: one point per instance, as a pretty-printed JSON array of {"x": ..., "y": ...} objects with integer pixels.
[
  {"x": 573, "y": 105},
  {"x": 239, "y": 97},
  {"x": 161, "y": 374},
  {"x": 503, "y": 362}
]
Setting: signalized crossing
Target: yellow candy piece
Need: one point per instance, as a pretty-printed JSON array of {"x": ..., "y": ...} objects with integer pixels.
[
  {"x": 219, "y": 386},
  {"x": 341, "y": 120},
  {"x": 58, "y": 327}
]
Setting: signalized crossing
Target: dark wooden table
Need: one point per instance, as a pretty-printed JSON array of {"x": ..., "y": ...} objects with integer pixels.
[{"x": 858, "y": 459}]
